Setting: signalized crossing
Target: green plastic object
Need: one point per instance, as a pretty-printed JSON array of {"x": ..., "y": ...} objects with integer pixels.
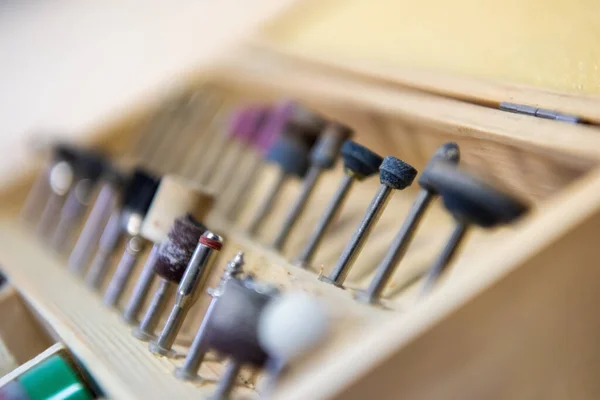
[{"x": 54, "y": 379}]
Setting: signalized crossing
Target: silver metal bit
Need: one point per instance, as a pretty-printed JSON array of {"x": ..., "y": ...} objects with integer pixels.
[
  {"x": 72, "y": 211},
  {"x": 445, "y": 257},
  {"x": 323, "y": 157},
  {"x": 188, "y": 291},
  {"x": 308, "y": 185},
  {"x": 87, "y": 241},
  {"x": 146, "y": 330},
  {"x": 449, "y": 152},
  {"x": 268, "y": 203},
  {"x": 121, "y": 277},
  {"x": 227, "y": 381},
  {"x": 60, "y": 180},
  {"x": 108, "y": 243},
  {"x": 305, "y": 258},
  {"x": 398, "y": 247},
  {"x": 394, "y": 174},
  {"x": 359, "y": 237},
  {"x": 141, "y": 289},
  {"x": 198, "y": 349}
]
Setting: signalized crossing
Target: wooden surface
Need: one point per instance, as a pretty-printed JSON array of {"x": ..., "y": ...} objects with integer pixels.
[
  {"x": 550, "y": 164},
  {"x": 550, "y": 46}
]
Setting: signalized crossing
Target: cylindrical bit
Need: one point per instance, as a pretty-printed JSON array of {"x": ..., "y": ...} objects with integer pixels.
[
  {"x": 188, "y": 290},
  {"x": 359, "y": 163},
  {"x": 471, "y": 202},
  {"x": 198, "y": 349},
  {"x": 121, "y": 277},
  {"x": 141, "y": 289},
  {"x": 45, "y": 183},
  {"x": 88, "y": 240},
  {"x": 449, "y": 152},
  {"x": 291, "y": 155},
  {"x": 88, "y": 169},
  {"x": 398, "y": 248},
  {"x": 61, "y": 179},
  {"x": 146, "y": 330},
  {"x": 240, "y": 305},
  {"x": 395, "y": 174},
  {"x": 227, "y": 381},
  {"x": 172, "y": 259},
  {"x": 108, "y": 242},
  {"x": 322, "y": 157}
]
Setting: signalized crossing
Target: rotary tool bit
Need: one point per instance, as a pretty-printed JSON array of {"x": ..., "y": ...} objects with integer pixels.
[
  {"x": 322, "y": 157},
  {"x": 138, "y": 195},
  {"x": 290, "y": 153},
  {"x": 232, "y": 328},
  {"x": 359, "y": 164},
  {"x": 175, "y": 197},
  {"x": 188, "y": 291},
  {"x": 89, "y": 166},
  {"x": 60, "y": 180},
  {"x": 104, "y": 206},
  {"x": 198, "y": 349},
  {"x": 174, "y": 255},
  {"x": 471, "y": 202},
  {"x": 41, "y": 189},
  {"x": 394, "y": 174},
  {"x": 450, "y": 153}
]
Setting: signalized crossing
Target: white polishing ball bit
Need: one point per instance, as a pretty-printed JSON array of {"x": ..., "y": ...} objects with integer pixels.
[{"x": 291, "y": 325}]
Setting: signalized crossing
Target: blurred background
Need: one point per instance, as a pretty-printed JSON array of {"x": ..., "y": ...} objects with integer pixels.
[{"x": 67, "y": 66}]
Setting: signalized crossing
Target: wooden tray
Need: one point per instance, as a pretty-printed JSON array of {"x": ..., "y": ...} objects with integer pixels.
[{"x": 514, "y": 318}]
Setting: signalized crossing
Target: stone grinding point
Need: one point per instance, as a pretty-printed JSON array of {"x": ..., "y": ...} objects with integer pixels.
[
  {"x": 396, "y": 174},
  {"x": 473, "y": 201},
  {"x": 233, "y": 327},
  {"x": 291, "y": 154},
  {"x": 175, "y": 253},
  {"x": 360, "y": 160},
  {"x": 448, "y": 152}
]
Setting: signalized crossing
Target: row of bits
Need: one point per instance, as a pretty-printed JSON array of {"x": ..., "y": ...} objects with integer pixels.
[
  {"x": 248, "y": 321},
  {"x": 303, "y": 144}
]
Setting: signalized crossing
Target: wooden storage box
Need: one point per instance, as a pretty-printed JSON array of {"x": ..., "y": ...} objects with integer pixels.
[{"x": 514, "y": 319}]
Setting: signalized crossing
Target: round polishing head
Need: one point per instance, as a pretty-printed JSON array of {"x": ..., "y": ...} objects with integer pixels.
[
  {"x": 291, "y": 325},
  {"x": 175, "y": 252},
  {"x": 448, "y": 152},
  {"x": 139, "y": 191},
  {"x": 472, "y": 201},
  {"x": 233, "y": 325},
  {"x": 360, "y": 161},
  {"x": 326, "y": 151},
  {"x": 246, "y": 123},
  {"x": 396, "y": 174},
  {"x": 274, "y": 124},
  {"x": 174, "y": 197},
  {"x": 291, "y": 154}
]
